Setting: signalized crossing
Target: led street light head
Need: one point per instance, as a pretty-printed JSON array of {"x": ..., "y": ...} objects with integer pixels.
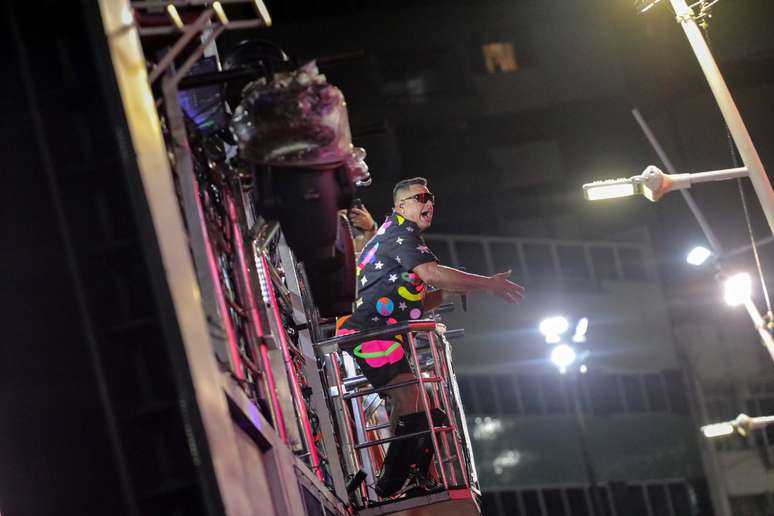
[
  {"x": 580, "y": 330},
  {"x": 563, "y": 356},
  {"x": 553, "y": 328},
  {"x": 698, "y": 255},
  {"x": 718, "y": 429},
  {"x": 611, "y": 189}
]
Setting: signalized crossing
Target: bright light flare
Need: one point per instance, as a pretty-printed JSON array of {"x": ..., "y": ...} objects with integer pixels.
[
  {"x": 175, "y": 16},
  {"x": 580, "y": 330},
  {"x": 717, "y": 430},
  {"x": 563, "y": 356},
  {"x": 506, "y": 459},
  {"x": 487, "y": 428},
  {"x": 610, "y": 189},
  {"x": 737, "y": 289},
  {"x": 553, "y": 328},
  {"x": 698, "y": 255}
]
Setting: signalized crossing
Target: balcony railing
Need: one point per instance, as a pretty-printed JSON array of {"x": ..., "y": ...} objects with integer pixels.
[{"x": 548, "y": 263}]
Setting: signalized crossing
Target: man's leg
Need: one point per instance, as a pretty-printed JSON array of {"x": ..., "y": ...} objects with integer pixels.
[
  {"x": 407, "y": 416},
  {"x": 405, "y": 400}
]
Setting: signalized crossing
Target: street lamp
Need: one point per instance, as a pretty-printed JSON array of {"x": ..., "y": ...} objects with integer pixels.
[
  {"x": 563, "y": 357},
  {"x": 698, "y": 256},
  {"x": 580, "y": 330},
  {"x": 653, "y": 183},
  {"x": 737, "y": 289},
  {"x": 553, "y": 328},
  {"x": 743, "y": 424}
]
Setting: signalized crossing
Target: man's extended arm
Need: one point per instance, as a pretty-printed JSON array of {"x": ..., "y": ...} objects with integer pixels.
[
  {"x": 453, "y": 280},
  {"x": 433, "y": 300}
]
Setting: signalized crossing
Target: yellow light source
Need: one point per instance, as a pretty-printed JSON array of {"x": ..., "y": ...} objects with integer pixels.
[
  {"x": 220, "y": 12},
  {"x": 261, "y": 7},
  {"x": 611, "y": 189},
  {"x": 175, "y": 16},
  {"x": 717, "y": 429}
]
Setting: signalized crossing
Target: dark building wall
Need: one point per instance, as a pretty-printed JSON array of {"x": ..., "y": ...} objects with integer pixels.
[
  {"x": 514, "y": 148},
  {"x": 97, "y": 408}
]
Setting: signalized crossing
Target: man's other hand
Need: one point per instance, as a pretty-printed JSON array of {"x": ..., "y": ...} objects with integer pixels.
[
  {"x": 502, "y": 287},
  {"x": 362, "y": 219}
]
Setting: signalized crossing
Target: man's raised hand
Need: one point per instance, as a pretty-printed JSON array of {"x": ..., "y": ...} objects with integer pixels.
[{"x": 502, "y": 287}]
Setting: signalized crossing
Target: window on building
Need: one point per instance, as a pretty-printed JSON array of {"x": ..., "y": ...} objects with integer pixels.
[
  {"x": 603, "y": 261},
  {"x": 554, "y": 394},
  {"x": 576, "y": 499},
  {"x": 632, "y": 263},
  {"x": 604, "y": 499},
  {"x": 489, "y": 503},
  {"x": 658, "y": 499},
  {"x": 635, "y": 397},
  {"x": 509, "y": 402},
  {"x": 504, "y": 257},
  {"x": 509, "y": 500},
  {"x": 675, "y": 388},
  {"x": 655, "y": 390},
  {"x": 572, "y": 261},
  {"x": 530, "y": 393},
  {"x": 553, "y": 501},
  {"x": 681, "y": 500},
  {"x": 605, "y": 394},
  {"x": 467, "y": 394},
  {"x": 471, "y": 256},
  {"x": 499, "y": 57},
  {"x": 531, "y": 502},
  {"x": 441, "y": 249},
  {"x": 636, "y": 501},
  {"x": 540, "y": 262},
  {"x": 487, "y": 398}
]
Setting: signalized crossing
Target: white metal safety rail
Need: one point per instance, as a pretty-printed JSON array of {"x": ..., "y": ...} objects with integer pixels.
[{"x": 452, "y": 464}]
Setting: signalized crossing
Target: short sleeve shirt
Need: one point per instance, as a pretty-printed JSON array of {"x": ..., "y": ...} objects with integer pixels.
[{"x": 388, "y": 289}]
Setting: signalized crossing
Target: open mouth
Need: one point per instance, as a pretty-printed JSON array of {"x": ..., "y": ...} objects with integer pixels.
[{"x": 426, "y": 215}]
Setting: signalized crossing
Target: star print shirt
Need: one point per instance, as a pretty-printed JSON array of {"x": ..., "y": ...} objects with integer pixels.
[{"x": 388, "y": 289}]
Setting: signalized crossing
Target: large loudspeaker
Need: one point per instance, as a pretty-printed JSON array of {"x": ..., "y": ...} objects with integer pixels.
[{"x": 306, "y": 202}]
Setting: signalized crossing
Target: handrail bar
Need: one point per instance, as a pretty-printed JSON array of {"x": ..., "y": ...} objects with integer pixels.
[
  {"x": 386, "y": 440},
  {"x": 334, "y": 344},
  {"x": 389, "y": 387}
]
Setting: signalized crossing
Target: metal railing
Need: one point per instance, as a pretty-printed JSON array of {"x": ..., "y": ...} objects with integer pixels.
[{"x": 452, "y": 460}]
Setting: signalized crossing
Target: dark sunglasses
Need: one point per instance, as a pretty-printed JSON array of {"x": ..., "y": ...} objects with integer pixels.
[{"x": 422, "y": 198}]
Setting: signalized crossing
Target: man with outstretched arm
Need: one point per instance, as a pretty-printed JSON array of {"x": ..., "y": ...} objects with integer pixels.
[{"x": 393, "y": 273}]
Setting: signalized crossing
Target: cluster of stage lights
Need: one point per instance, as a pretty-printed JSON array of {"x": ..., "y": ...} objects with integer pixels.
[{"x": 563, "y": 355}]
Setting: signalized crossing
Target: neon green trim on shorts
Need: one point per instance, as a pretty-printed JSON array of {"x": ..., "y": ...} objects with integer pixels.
[{"x": 375, "y": 354}]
